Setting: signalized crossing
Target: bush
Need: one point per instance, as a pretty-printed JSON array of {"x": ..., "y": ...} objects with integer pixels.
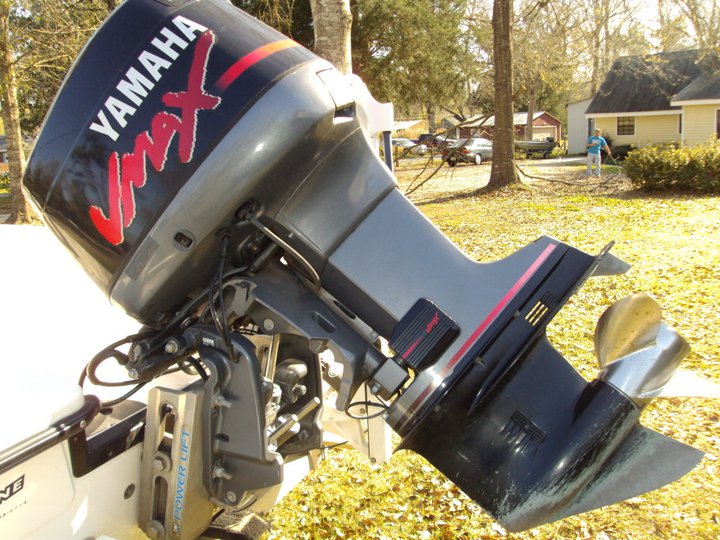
[
  {"x": 608, "y": 138},
  {"x": 609, "y": 141},
  {"x": 4, "y": 181},
  {"x": 620, "y": 153},
  {"x": 666, "y": 168}
]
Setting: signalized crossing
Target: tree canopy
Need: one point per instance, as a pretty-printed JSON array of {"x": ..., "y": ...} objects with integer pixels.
[
  {"x": 423, "y": 55},
  {"x": 414, "y": 52},
  {"x": 46, "y": 37}
]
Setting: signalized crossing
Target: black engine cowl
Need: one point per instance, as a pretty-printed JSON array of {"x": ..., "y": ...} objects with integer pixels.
[{"x": 166, "y": 109}]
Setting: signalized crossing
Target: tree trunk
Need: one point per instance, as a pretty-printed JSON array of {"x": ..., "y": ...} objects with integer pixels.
[
  {"x": 332, "y": 21},
  {"x": 11, "y": 117},
  {"x": 530, "y": 112},
  {"x": 605, "y": 18},
  {"x": 597, "y": 73},
  {"x": 503, "y": 171},
  {"x": 432, "y": 124}
]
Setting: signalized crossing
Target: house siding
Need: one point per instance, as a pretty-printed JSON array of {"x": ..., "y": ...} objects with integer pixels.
[
  {"x": 579, "y": 127},
  {"x": 656, "y": 129},
  {"x": 699, "y": 123}
]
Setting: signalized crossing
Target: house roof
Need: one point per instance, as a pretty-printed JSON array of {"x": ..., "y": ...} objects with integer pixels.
[
  {"x": 401, "y": 125},
  {"x": 519, "y": 119},
  {"x": 645, "y": 83},
  {"x": 450, "y": 122},
  {"x": 704, "y": 87}
]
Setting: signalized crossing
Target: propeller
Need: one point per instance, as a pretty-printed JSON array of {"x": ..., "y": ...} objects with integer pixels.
[{"x": 639, "y": 354}]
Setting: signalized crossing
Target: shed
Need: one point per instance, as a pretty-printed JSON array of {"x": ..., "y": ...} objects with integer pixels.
[
  {"x": 400, "y": 127},
  {"x": 544, "y": 125}
]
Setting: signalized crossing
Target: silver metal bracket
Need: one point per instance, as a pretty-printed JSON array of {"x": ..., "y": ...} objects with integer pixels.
[{"x": 174, "y": 504}]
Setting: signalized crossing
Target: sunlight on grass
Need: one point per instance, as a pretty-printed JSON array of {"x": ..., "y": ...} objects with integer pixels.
[{"x": 673, "y": 245}]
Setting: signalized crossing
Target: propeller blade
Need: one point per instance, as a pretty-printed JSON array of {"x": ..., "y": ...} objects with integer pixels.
[
  {"x": 629, "y": 325},
  {"x": 685, "y": 383}
]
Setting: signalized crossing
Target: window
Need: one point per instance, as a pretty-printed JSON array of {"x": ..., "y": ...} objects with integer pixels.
[
  {"x": 626, "y": 125},
  {"x": 680, "y": 124},
  {"x": 717, "y": 123}
]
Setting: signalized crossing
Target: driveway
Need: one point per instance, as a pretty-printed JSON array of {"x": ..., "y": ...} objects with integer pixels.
[
  {"x": 561, "y": 161},
  {"x": 467, "y": 177}
]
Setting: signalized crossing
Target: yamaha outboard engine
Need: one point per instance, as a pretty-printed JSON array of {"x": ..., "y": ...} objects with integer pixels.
[{"x": 218, "y": 182}]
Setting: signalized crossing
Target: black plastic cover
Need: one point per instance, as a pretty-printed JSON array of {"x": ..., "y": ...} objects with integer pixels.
[
  {"x": 151, "y": 95},
  {"x": 423, "y": 334}
]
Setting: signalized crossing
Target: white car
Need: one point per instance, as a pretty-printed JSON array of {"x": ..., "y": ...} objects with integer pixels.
[{"x": 404, "y": 144}]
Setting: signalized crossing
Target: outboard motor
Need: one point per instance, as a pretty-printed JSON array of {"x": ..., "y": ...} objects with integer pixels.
[{"x": 218, "y": 182}]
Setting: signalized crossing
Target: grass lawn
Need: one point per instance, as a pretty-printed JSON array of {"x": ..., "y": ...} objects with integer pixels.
[
  {"x": 673, "y": 245},
  {"x": 5, "y": 203}
]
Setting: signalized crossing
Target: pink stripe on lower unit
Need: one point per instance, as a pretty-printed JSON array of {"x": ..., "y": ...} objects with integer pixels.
[{"x": 487, "y": 321}]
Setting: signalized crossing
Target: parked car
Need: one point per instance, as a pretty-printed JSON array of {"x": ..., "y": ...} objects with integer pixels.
[
  {"x": 436, "y": 141},
  {"x": 404, "y": 145},
  {"x": 473, "y": 150}
]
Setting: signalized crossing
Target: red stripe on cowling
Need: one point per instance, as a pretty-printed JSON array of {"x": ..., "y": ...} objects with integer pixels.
[{"x": 250, "y": 59}]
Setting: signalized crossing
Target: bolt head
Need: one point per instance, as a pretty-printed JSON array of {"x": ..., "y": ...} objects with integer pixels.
[
  {"x": 268, "y": 325},
  {"x": 155, "y": 530},
  {"x": 171, "y": 347},
  {"x": 161, "y": 462}
]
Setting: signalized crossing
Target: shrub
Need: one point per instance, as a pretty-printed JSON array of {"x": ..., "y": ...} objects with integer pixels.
[
  {"x": 609, "y": 141},
  {"x": 559, "y": 150},
  {"x": 4, "y": 181},
  {"x": 608, "y": 138},
  {"x": 666, "y": 168},
  {"x": 620, "y": 153}
]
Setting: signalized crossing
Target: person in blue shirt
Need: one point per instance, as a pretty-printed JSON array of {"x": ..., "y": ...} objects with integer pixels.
[{"x": 594, "y": 144}]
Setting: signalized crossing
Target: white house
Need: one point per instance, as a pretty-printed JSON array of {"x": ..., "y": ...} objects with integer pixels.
[{"x": 659, "y": 98}]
